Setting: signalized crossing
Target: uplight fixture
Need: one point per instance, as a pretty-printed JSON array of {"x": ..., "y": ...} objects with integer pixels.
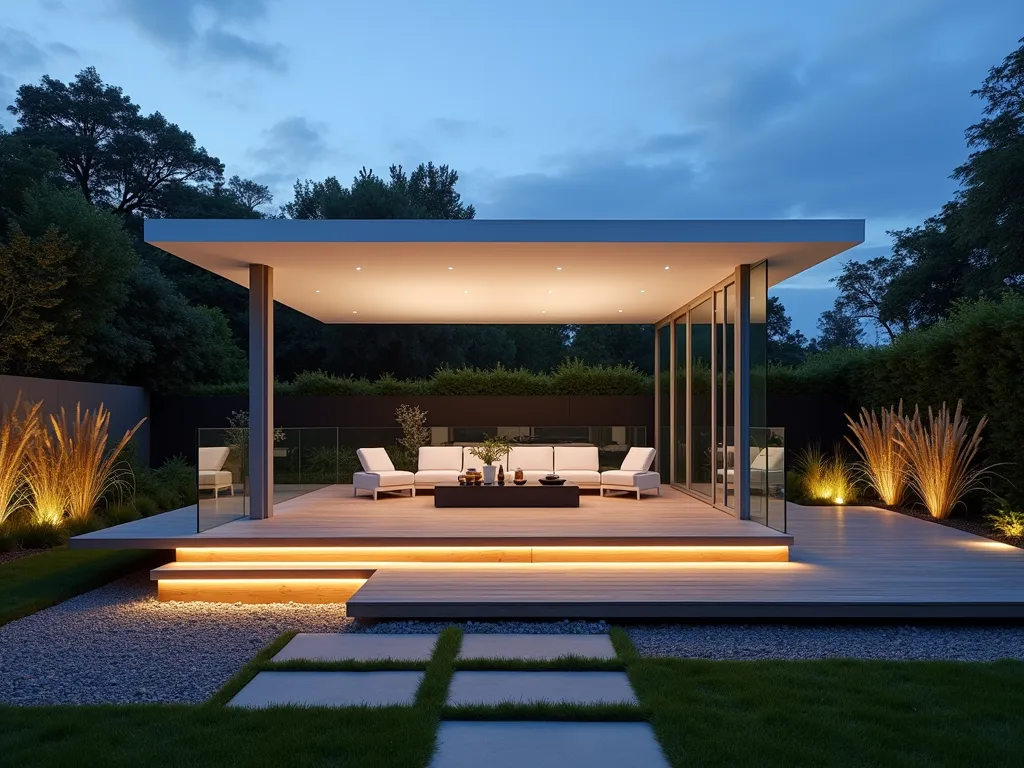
[{"x": 839, "y": 500}]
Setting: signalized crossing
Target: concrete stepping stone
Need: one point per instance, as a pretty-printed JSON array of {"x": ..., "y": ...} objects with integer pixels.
[
  {"x": 328, "y": 689},
  {"x": 353, "y": 647},
  {"x": 535, "y": 647},
  {"x": 547, "y": 745},
  {"x": 492, "y": 688}
]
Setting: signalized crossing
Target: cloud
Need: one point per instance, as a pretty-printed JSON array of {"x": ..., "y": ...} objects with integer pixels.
[
  {"x": 202, "y": 28},
  {"x": 463, "y": 130},
  {"x": 869, "y": 123},
  {"x": 291, "y": 149},
  {"x": 21, "y": 58}
]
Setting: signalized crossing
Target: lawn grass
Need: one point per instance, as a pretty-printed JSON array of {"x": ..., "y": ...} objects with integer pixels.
[
  {"x": 39, "y": 581},
  {"x": 156, "y": 736},
  {"x": 834, "y": 712},
  {"x": 705, "y": 713}
]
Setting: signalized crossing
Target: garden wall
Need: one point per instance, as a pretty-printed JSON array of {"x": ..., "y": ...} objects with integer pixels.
[{"x": 127, "y": 405}]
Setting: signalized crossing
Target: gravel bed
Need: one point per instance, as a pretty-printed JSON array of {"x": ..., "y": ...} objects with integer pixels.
[
  {"x": 794, "y": 642},
  {"x": 118, "y": 644}
]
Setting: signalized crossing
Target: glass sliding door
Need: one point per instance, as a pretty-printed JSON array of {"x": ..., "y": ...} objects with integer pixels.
[
  {"x": 727, "y": 364},
  {"x": 702, "y": 400},
  {"x": 662, "y": 391},
  {"x": 680, "y": 476}
]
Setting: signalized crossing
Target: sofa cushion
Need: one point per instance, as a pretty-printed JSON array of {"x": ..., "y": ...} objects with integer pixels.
[
  {"x": 375, "y": 460},
  {"x": 389, "y": 477},
  {"x": 440, "y": 457},
  {"x": 576, "y": 457},
  {"x": 469, "y": 461},
  {"x": 435, "y": 476},
  {"x": 212, "y": 459},
  {"x": 580, "y": 476},
  {"x": 209, "y": 478},
  {"x": 618, "y": 477},
  {"x": 531, "y": 457},
  {"x": 638, "y": 459}
]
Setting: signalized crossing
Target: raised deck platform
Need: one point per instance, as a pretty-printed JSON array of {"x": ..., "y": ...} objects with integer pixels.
[{"x": 668, "y": 557}]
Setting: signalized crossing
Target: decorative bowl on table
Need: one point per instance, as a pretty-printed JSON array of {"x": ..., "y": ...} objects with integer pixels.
[
  {"x": 519, "y": 482},
  {"x": 552, "y": 480}
]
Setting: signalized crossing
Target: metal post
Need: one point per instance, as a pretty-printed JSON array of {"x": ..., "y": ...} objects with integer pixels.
[
  {"x": 741, "y": 398},
  {"x": 261, "y": 391}
]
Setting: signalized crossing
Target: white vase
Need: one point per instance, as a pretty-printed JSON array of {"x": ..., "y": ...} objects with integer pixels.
[{"x": 489, "y": 471}]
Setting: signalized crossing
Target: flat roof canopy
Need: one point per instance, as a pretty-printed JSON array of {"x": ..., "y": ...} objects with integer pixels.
[{"x": 497, "y": 271}]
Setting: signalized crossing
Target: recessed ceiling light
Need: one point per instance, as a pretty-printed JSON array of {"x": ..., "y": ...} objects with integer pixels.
[
  {"x": 358, "y": 268},
  {"x": 543, "y": 311},
  {"x": 641, "y": 290},
  {"x": 549, "y": 291},
  {"x": 318, "y": 290},
  {"x": 354, "y": 312},
  {"x": 454, "y": 268},
  {"x": 666, "y": 267},
  {"x": 465, "y": 291},
  {"x": 559, "y": 269},
  {"x": 620, "y": 310}
]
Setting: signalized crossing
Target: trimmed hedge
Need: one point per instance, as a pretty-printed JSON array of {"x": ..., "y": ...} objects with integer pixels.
[
  {"x": 572, "y": 377},
  {"x": 977, "y": 355}
]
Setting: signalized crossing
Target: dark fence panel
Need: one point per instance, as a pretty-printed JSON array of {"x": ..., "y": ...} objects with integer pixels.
[{"x": 127, "y": 405}]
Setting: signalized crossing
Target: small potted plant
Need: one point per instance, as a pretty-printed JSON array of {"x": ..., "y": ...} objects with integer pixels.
[{"x": 492, "y": 449}]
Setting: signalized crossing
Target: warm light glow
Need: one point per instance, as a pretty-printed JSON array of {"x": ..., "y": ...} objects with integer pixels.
[
  {"x": 838, "y": 499},
  {"x": 666, "y": 267},
  {"x": 543, "y": 311},
  {"x": 318, "y": 290},
  {"x": 642, "y": 290},
  {"x": 559, "y": 269},
  {"x": 358, "y": 268},
  {"x": 354, "y": 312},
  {"x": 450, "y": 557},
  {"x": 451, "y": 268}
]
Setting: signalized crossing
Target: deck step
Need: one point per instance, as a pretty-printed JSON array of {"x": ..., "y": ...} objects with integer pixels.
[{"x": 255, "y": 570}]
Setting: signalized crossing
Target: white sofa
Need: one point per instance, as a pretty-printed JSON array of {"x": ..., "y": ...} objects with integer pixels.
[
  {"x": 578, "y": 464},
  {"x": 634, "y": 475},
  {"x": 212, "y": 475},
  {"x": 536, "y": 461},
  {"x": 379, "y": 474},
  {"x": 439, "y": 464}
]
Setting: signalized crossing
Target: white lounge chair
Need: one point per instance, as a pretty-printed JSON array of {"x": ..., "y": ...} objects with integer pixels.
[
  {"x": 212, "y": 475},
  {"x": 767, "y": 469},
  {"x": 634, "y": 475},
  {"x": 379, "y": 474}
]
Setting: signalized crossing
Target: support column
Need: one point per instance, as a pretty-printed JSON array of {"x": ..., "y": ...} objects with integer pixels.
[
  {"x": 741, "y": 374},
  {"x": 261, "y": 391}
]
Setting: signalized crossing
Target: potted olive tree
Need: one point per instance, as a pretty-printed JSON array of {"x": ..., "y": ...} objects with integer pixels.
[{"x": 493, "y": 450}]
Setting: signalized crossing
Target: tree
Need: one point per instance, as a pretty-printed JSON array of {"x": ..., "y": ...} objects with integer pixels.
[
  {"x": 160, "y": 341},
  {"x": 428, "y": 193},
  {"x": 116, "y": 155},
  {"x": 249, "y": 195},
  {"x": 613, "y": 344},
  {"x": 99, "y": 268},
  {"x": 21, "y": 167},
  {"x": 863, "y": 292},
  {"x": 785, "y": 346},
  {"x": 33, "y": 272},
  {"x": 838, "y": 330}
]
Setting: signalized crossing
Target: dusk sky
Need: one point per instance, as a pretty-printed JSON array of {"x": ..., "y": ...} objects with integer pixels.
[{"x": 564, "y": 108}]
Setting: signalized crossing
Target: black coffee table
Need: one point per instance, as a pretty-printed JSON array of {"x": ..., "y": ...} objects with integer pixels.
[{"x": 448, "y": 495}]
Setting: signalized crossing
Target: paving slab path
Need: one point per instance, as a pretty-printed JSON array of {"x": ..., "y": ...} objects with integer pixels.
[
  {"x": 547, "y": 745},
  {"x": 352, "y": 647},
  {"x": 329, "y": 689},
  {"x": 492, "y": 688},
  {"x": 536, "y": 647}
]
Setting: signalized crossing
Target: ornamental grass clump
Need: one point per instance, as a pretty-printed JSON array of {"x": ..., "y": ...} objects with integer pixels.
[
  {"x": 16, "y": 436},
  {"x": 90, "y": 470},
  {"x": 829, "y": 479},
  {"x": 44, "y": 478},
  {"x": 940, "y": 452},
  {"x": 883, "y": 462}
]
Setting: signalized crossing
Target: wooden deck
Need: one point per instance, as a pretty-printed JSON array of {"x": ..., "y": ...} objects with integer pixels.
[
  {"x": 332, "y": 517},
  {"x": 421, "y": 562},
  {"x": 845, "y": 563}
]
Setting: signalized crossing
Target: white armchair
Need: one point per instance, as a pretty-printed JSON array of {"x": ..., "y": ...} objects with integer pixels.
[
  {"x": 212, "y": 475},
  {"x": 379, "y": 474},
  {"x": 634, "y": 474}
]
